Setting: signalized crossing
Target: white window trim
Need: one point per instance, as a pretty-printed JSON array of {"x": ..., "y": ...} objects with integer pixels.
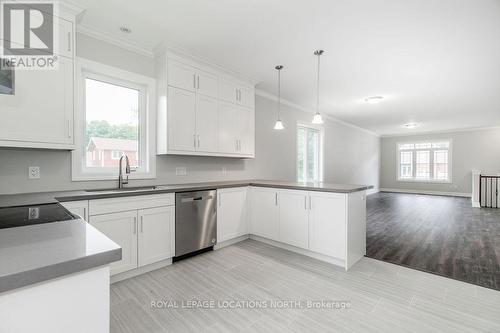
[
  {"x": 321, "y": 130},
  {"x": 433, "y": 181},
  {"x": 147, "y": 86}
]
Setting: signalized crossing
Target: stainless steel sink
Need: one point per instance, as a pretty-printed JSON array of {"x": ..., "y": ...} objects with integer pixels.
[{"x": 125, "y": 189}]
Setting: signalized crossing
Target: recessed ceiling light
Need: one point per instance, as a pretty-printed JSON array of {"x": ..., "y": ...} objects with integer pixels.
[
  {"x": 126, "y": 30},
  {"x": 374, "y": 99},
  {"x": 410, "y": 125}
]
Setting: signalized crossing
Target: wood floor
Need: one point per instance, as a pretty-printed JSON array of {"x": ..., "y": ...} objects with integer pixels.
[
  {"x": 437, "y": 234},
  {"x": 382, "y": 297}
]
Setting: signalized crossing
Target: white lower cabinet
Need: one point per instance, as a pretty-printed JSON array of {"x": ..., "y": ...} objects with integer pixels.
[
  {"x": 144, "y": 226},
  {"x": 264, "y": 213},
  {"x": 156, "y": 240},
  {"x": 231, "y": 213},
  {"x": 327, "y": 224},
  {"x": 121, "y": 228},
  {"x": 294, "y": 218},
  {"x": 79, "y": 208}
]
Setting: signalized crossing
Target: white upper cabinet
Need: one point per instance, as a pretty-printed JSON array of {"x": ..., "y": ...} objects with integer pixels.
[
  {"x": 39, "y": 113},
  {"x": 182, "y": 117},
  {"x": 237, "y": 93},
  {"x": 202, "y": 112}
]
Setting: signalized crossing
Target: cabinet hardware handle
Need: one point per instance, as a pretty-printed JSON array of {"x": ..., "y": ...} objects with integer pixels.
[
  {"x": 305, "y": 202},
  {"x": 142, "y": 224},
  {"x": 135, "y": 225},
  {"x": 276, "y": 198},
  {"x": 198, "y": 141},
  {"x": 198, "y": 82},
  {"x": 69, "y": 128},
  {"x": 194, "y": 81},
  {"x": 310, "y": 203},
  {"x": 85, "y": 213},
  {"x": 194, "y": 140},
  {"x": 69, "y": 41},
  {"x": 220, "y": 201}
]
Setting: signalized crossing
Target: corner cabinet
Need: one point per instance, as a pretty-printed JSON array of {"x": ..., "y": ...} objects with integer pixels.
[
  {"x": 39, "y": 112},
  {"x": 203, "y": 111}
]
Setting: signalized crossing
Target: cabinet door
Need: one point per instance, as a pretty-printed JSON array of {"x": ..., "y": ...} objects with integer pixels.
[
  {"x": 181, "y": 75},
  {"x": 181, "y": 119},
  {"x": 294, "y": 218},
  {"x": 41, "y": 108},
  {"x": 327, "y": 224},
  {"x": 229, "y": 91},
  {"x": 247, "y": 97},
  {"x": 231, "y": 214},
  {"x": 264, "y": 213},
  {"x": 156, "y": 234},
  {"x": 246, "y": 131},
  {"x": 206, "y": 123},
  {"x": 228, "y": 127},
  {"x": 121, "y": 228},
  {"x": 79, "y": 208},
  {"x": 207, "y": 84}
]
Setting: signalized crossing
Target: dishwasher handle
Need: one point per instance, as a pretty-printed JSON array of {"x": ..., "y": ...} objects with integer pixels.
[{"x": 209, "y": 197}]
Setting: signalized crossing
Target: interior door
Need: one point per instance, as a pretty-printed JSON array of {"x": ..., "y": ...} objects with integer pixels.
[
  {"x": 327, "y": 224},
  {"x": 206, "y": 123},
  {"x": 156, "y": 234},
  {"x": 181, "y": 119},
  {"x": 207, "y": 84},
  {"x": 228, "y": 127},
  {"x": 181, "y": 75},
  {"x": 41, "y": 106},
  {"x": 121, "y": 228},
  {"x": 264, "y": 213},
  {"x": 294, "y": 218}
]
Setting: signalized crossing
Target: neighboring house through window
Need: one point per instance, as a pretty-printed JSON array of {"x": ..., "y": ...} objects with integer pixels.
[
  {"x": 428, "y": 161},
  {"x": 114, "y": 118},
  {"x": 309, "y": 154}
]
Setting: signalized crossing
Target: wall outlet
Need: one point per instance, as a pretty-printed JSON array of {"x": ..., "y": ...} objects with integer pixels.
[
  {"x": 224, "y": 170},
  {"x": 180, "y": 171},
  {"x": 34, "y": 172}
]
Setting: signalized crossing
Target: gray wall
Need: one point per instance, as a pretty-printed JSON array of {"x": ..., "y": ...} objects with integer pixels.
[
  {"x": 478, "y": 149},
  {"x": 351, "y": 156}
]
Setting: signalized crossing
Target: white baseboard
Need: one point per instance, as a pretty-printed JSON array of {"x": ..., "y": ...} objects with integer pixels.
[
  {"x": 476, "y": 204},
  {"x": 453, "y": 194},
  {"x": 140, "y": 270},
  {"x": 372, "y": 191},
  {"x": 232, "y": 241}
]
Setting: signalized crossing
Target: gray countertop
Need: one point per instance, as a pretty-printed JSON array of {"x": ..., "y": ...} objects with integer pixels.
[
  {"x": 36, "y": 253},
  {"x": 8, "y": 200}
]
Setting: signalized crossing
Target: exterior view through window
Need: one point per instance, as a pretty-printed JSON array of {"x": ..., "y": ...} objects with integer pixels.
[
  {"x": 424, "y": 161},
  {"x": 308, "y": 154},
  {"x": 111, "y": 124}
]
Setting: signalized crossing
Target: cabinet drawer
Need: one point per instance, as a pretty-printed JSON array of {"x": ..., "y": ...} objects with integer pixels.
[{"x": 112, "y": 205}]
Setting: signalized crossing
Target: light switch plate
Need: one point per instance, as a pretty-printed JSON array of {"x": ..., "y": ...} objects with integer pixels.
[
  {"x": 34, "y": 172},
  {"x": 180, "y": 171}
]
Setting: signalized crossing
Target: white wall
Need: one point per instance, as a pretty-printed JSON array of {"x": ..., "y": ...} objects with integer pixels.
[
  {"x": 477, "y": 149},
  {"x": 351, "y": 155}
]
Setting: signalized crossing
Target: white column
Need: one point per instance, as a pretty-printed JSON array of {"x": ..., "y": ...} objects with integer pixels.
[{"x": 475, "y": 188}]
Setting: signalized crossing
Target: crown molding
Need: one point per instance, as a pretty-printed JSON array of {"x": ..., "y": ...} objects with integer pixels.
[
  {"x": 164, "y": 47},
  {"x": 108, "y": 38},
  {"x": 456, "y": 130},
  {"x": 265, "y": 94}
]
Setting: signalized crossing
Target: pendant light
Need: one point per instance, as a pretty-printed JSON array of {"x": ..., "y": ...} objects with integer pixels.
[
  {"x": 317, "y": 119},
  {"x": 279, "y": 125}
]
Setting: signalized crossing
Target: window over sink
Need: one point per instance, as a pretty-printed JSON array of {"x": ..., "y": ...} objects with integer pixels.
[{"x": 114, "y": 118}]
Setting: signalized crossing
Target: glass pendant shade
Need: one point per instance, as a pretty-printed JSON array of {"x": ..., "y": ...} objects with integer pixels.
[
  {"x": 317, "y": 119},
  {"x": 278, "y": 125}
]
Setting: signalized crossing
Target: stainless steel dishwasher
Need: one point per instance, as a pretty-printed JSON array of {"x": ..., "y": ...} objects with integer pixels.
[{"x": 195, "y": 221}]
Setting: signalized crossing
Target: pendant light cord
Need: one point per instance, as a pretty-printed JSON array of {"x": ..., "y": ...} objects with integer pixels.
[
  {"x": 317, "y": 85},
  {"x": 279, "y": 94}
]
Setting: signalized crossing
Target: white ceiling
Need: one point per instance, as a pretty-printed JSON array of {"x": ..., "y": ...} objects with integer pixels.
[{"x": 436, "y": 62}]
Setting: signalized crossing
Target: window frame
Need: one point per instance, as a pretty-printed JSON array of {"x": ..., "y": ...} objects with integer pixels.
[
  {"x": 320, "y": 152},
  {"x": 87, "y": 69},
  {"x": 431, "y": 161}
]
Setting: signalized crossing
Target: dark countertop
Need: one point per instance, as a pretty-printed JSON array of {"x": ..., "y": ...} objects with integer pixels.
[
  {"x": 40, "y": 252},
  {"x": 8, "y": 200}
]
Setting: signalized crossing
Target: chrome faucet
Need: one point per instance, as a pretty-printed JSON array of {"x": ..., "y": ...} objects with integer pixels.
[{"x": 122, "y": 182}]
